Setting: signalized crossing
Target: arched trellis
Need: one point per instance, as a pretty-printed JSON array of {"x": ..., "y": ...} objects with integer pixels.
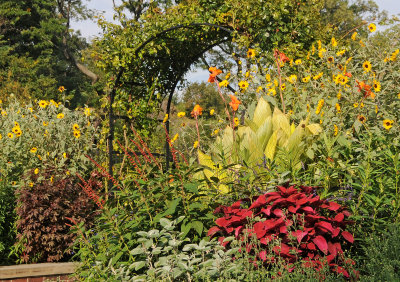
[{"x": 176, "y": 72}]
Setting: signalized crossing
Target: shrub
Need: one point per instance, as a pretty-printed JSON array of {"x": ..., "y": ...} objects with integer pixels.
[
  {"x": 45, "y": 203},
  {"x": 290, "y": 223},
  {"x": 381, "y": 260},
  {"x": 7, "y": 220}
]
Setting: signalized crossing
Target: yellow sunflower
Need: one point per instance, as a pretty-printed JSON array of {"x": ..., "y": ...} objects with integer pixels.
[
  {"x": 77, "y": 134},
  {"x": 61, "y": 89},
  {"x": 372, "y": 27},
  {"x": 10, "y": 135},
  {"x": 251, "y": 53},
  {"x": 377, "y": 86},
  {"x": 43, "y": 104},
  {"x": 306, "y": 79},
  {"x": 387, "y": 123},
  {"x": 236, "y": 121},
  {"x": 181, "y": 114},
  {"x": 361, "y": 118},
  {"x": 60, "y": 116},
  {"x": 75, "y": 127},
  {"x": 212, "y": 111},
  {"x": 367, "y": 66},
  {"x": 224, "y": 83},
  {"x": 243, "y": 85}
]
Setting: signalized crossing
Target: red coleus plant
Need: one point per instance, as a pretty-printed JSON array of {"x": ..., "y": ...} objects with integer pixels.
[{"x": 305, "y": 227}]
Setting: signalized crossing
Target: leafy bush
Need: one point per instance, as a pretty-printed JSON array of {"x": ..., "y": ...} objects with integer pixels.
[
  {"x": 7, "y": 220},
  {"x": 45, "y": 203},
  {"x": 381, "y": 260},
  {"x": 303, "y": 225}
]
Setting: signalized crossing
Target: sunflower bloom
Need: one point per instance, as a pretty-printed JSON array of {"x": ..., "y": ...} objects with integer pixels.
[
  {"x": 377, "y": 86},
  {"x": 75, "y": 127},
  {"x": 306, "y": 79},
  {"x": 224, "y": 83},
  {"x": 387, "y": 123},
  {"x": 251, "y": 53},
  {"x": 36, "y": 171},
  {"x": 61, "y": 89},
  {"x": 361, "y": 118},
  {"x": 236, "y": 121},
  {"x": 367, "y": 66},
  {"x": 333, "y": 42},
  {"x": 319, "y": 106},
  {"x": 353, "y": 36},
  {"x": 77, "y": 134},
  {"x": 181, "y": 114},
  {"x": 60, "y": 116},
  {"x": 243, "y": 85},
  {"x": 195, "y": 144},
  {"x": 43, "y": 104},
  {"x": 371, "y": 27},
  {"x": 212, "y": 111},
  {"x": 335, "y": 130},
  {"x": 33, "y": 150}
]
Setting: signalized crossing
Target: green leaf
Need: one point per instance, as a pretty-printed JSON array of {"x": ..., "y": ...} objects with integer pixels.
[{"x": 198, "y": 226}]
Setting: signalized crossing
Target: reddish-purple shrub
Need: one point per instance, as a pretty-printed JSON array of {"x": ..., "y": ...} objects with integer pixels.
[
  {"x": 43, "y": 209},
  {"x": 305, "y": 227}
]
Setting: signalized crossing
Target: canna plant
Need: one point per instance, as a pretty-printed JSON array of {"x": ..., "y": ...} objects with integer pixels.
[{"x": 265, "y": 136}]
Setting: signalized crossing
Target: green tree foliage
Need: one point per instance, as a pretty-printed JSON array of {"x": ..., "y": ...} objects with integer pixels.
[
  {"x": 203, "y": 94},
  {"x": 38, "y": 51}
]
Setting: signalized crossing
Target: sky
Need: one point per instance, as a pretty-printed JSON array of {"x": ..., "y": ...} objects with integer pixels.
[{"x": 89, "y": 29}]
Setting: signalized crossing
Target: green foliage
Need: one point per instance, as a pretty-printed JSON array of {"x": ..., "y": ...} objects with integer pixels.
[
  {"x": 7, "y": 220},
  {"x": 381, "y": 255},
  {"x": 203, "y": 94},
  {"x": 38, "y": 52},
  {"x": 44, "y": 132},
  {"x": 44, "y": 204}
]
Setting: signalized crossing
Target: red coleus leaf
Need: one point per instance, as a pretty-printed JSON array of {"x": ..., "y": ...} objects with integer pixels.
[
  {"x": 308, "y": 209},
  {"x": 278, "y": 212},
  {"x": 325, "y": 225},
  {"x": 347, "y": 235},
  {"x": 263, "y": 255},
  {"x": 259, "y": 228},
  {"x": 283, "y": 229},
  {"x": 335, "y": 232},
  {"x": 332, "y": 249},
  {"x": 222, "y": 221},
  {"x": 259, "y": 202},
  {"x": 221, "y": 241},
  {"x": 213, "y": 230},
  {"x": 293, "y": 209},
  {"x": 267, "y": 211},
  {"x": 341, "y": 270},
  {"x": 311, "y": 246},
  {"x": 299, "y": 234},
  {"x": 321, "y": 243},
  {"x": 334, "y": 206},
  {"x": 339, "y": 217},
  {"x": 302, "y": 201},
  {"x": 238, "y": 230}
]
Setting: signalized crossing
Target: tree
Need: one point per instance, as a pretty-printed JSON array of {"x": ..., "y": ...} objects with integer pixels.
[
  {"x": 203, "y": 94},
  {"x": 39, "y": 52}
]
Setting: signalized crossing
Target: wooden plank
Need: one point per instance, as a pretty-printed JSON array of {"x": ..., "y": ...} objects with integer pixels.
[{"x": 38, "y": 269}]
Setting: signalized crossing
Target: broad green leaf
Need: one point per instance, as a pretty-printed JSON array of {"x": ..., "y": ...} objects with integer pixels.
[
  {"x": 314, "y": 128},
  {"x": 262, "y": 112},
  {"x": 271, "y": 146}
]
